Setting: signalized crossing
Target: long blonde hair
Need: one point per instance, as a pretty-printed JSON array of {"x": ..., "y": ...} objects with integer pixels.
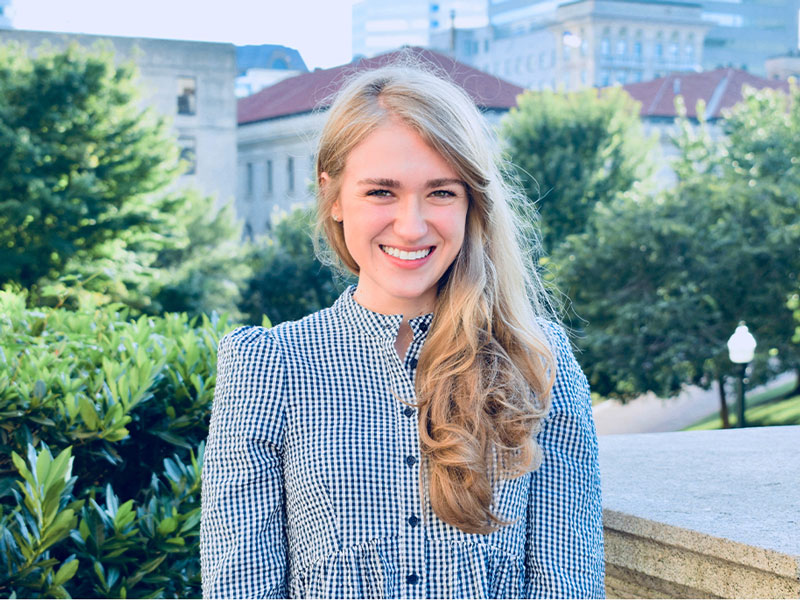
[{"x": 486, "y": 370}]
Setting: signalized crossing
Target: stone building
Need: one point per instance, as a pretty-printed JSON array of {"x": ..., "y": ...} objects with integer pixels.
[
  {"x": 190, "y": 83},
  {"x": 279, "y": 125},
  {"x": 585, "y": 43}
]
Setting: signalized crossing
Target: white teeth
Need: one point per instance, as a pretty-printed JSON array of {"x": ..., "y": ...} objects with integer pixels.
[{"x": 403, "y": 255}]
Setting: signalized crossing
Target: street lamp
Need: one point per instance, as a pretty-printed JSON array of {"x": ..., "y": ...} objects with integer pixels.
[{"x": 741, "y": 347}]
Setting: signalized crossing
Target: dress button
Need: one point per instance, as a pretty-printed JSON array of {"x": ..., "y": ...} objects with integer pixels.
[
  {"x": 413, "y": 521},
  {"x": 408, "y": 411},
  {"x": 423, "y": 326},
  {"x": 410, "y": 460},
  {"x": 413, "y": 363},
  {"x": 412, "y": 578}
]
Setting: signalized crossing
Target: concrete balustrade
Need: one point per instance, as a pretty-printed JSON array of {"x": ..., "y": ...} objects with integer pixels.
[{"x": 705, "y": 514}]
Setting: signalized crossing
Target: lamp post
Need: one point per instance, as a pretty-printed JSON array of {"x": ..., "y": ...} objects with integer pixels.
[{"x": 741, "y": 347}]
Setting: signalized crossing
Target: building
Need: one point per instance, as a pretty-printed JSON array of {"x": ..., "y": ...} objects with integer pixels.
[
  {"x": 278, "y": 127},
  {"x": 384, "y": 25},
  {"x": 719, "y": 90},
  {"x": 739, "y": 33},
  {"x": 191, "y": 83},
  {"x": 569, "y": 45},
  {"x": 261, "y": 66},
  {"x": 5, "y": 14},
  {"x": 745, "y": 33},
  {"x": 784, "y": 66}
]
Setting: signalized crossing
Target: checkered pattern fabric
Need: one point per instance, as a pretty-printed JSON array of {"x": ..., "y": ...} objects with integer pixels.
[{"x": 311, "y": 481}]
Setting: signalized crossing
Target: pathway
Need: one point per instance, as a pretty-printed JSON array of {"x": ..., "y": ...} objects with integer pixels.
[{"x": 649, "y": 414}]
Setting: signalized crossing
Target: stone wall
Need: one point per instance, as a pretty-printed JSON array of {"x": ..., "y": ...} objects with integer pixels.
[{"x": 702, "y": 514}]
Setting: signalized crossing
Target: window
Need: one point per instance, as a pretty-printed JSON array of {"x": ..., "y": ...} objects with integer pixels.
[
  {"x": 689, "y": 50},
  {"x": 659, "y": 51},
  {"x": 269, "y": 178},
  {"x": 542, "y": 60},
  {"x": 485, "y": 45},
  {"x": 673, "y": 50},
  {"x": 622, "y": 47},
  {"x": 637, "y": 49},
  {"x": 248, "y": 181},
  {"x": 187, "y": 96},
  {"x": 188, "y": 154},
  {"x": 290, "y": 174},
  {"x": 605, "y": 77},
  {"x": 605, "y": 46}
]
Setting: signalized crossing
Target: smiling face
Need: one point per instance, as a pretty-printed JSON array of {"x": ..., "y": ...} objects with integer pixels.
[{"x": 404, "y": 210}]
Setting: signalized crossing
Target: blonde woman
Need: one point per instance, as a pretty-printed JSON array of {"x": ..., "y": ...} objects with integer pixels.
[{"x": 430, "y": 434}]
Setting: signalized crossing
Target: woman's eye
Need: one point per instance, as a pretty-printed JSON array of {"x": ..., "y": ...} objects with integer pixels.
[
  {"x": 443, "y": 194},
  {"x": 379, "y": 193}
]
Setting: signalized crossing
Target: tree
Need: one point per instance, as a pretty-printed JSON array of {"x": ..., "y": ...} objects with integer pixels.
[
  {"x": 80, "y": 163},
  {"x": 288, "y": 281},
  {"x": 662, "y": 280},
  {"x": 88, "y": 202},
  {"x": 573, "y": 150}
]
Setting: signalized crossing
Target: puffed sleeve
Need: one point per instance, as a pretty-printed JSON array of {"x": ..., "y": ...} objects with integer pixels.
[
  {"x": 242, "y": 532},
  {"x": 564, "y": 547}
]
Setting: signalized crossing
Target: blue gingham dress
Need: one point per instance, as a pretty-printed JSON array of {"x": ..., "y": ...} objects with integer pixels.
[{"x": 311, "y": 476}]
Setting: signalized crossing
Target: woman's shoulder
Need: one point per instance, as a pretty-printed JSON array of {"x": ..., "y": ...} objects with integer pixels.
[
  {"x": 257, "y": 341},
  {"x": 570, "y": 388}
]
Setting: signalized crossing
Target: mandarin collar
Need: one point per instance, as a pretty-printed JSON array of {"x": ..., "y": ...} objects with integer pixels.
[{"x": 376, "y": 324}]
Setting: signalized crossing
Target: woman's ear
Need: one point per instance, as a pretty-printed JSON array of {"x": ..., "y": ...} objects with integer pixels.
[{"x": 336, "y": 208}]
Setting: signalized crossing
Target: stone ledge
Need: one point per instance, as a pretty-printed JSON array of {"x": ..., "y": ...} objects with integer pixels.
[{"x": 702, "y": 514}]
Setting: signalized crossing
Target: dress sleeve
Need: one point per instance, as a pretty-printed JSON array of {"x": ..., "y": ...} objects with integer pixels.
[
  {"x": 242, "y": 533},
  {"x": 564, "y": 547}
]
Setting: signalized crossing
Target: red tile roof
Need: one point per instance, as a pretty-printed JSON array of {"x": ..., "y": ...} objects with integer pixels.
[
  {"x": 308, "y": 91},
  {"x": 720, "y": 89}
]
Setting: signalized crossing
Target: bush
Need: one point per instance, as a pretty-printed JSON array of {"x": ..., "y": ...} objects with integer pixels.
[
  {"x": 102, "y": 422},
  {"x": 288, "y": 281}
]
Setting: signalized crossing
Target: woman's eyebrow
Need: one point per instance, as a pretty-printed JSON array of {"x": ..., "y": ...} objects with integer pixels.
[
  {"x": 389, "y": 183},
  {"x": 445, "y": 181},
  {"x": 393, "y": 183}
]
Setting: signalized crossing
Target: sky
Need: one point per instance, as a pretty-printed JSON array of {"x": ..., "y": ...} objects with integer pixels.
[{"x": 319, "y": 29}]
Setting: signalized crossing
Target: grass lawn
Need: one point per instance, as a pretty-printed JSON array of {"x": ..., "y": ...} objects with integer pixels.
[{"x": 763, "y": 409}]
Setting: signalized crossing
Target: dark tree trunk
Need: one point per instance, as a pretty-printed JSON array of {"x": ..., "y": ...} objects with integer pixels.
[
  {"x": 723, "y": 403},
  {"x": 796, "y": 390}
]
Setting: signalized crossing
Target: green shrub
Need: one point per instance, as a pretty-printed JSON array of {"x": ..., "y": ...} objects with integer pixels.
[{"x": 124, "y": 406}]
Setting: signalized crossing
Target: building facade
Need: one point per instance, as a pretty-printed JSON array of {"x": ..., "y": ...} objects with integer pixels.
[
  {"x": 745, "y": 33},
  {"x": 5, "y": 14},
  {"x": 263, "y": 65},
  {"x": 585, "y": 42},
  {"x": 190, "y": 83},
  {"x": 384, "y": 25},
  {"x": 738, "y": 33}
]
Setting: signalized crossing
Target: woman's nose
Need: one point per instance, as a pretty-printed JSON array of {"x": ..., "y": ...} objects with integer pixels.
[{"x": 409, "y": 221}]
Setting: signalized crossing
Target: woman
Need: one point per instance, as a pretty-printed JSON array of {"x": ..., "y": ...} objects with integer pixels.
[{"x": 430, "y": 434}]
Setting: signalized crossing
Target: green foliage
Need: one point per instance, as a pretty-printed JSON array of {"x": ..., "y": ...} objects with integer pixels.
[
  {"x": 88, "y": 205},
  {"x": 113, "y": 396},
  {"x": 79, "y": 161},
  {"x": 42, "y": 518},
  {"x": 663, "y": 280},
  {"x": 573, "y": 150},
  {"x": 288, "y": 281}
]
